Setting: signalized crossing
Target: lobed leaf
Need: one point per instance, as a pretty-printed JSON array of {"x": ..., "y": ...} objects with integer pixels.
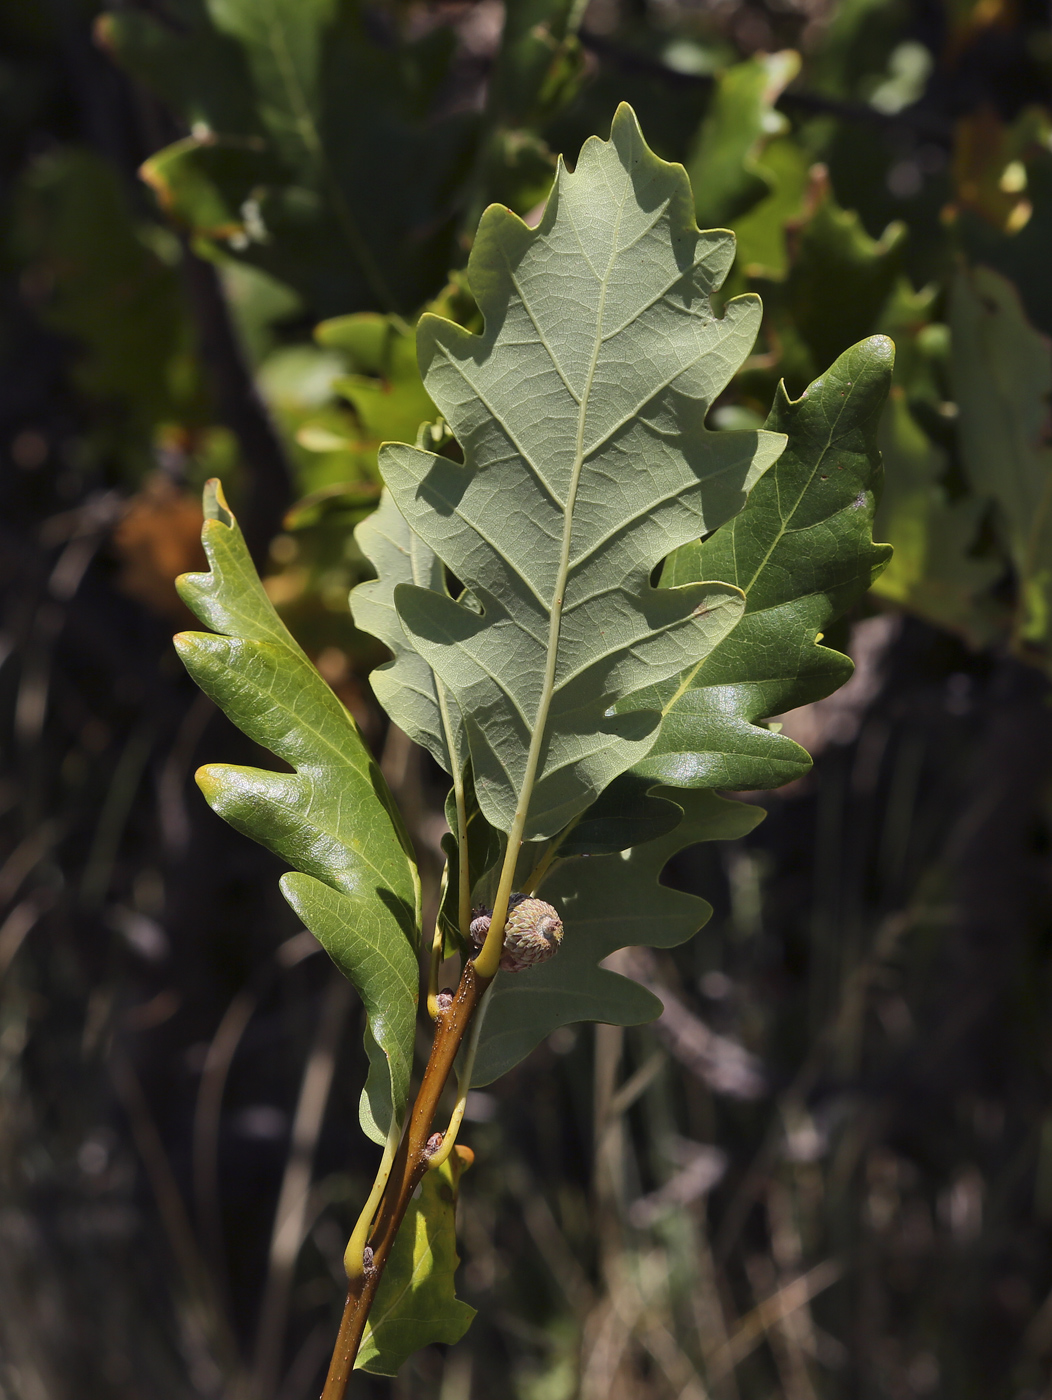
[
  {"x": 606, "y": 902},
  {"x": 302, "y": 129},
  {"x": 354, "y": 882},
  {"x": 723, "y": 167},
  {"x": 416, "y": 1303},
  {"x": 801, "y": 551},
  {"x": 580, "y": 411},
  {"x": 405, "y": 686}
]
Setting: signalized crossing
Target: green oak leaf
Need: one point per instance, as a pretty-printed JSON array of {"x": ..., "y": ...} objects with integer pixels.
[
  {"x": 77, "y": 234},
  {"x": 627, "y": 814},
  {"x": 416, "y": 1303},
  {"x": 580, "y": 411},
  {"x": 405, "y": 686},
  {"x": 1002, "y": 377},
  {"x": 485, "y": 849},
  {"x": 839, "y": 279},
  {"x": 301, "y": 131},
  {"x": 606, "y": 902},
  {"x": 354, "y": 882},
  {"x": 741, "y": 119},
  {"x": 801, "y": 551},
  {"x": 385, "y": 390},
  {"x": 932, "y": 572}
]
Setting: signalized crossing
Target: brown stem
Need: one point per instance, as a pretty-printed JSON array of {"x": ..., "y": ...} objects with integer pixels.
[{"x": 414, "y": 1153}]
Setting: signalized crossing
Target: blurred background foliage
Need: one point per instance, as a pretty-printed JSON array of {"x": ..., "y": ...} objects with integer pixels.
[{"x": 827, "y": 1170}]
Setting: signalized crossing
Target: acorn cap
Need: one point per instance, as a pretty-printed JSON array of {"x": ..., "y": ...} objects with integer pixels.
[{"x": 532, "y": 933}]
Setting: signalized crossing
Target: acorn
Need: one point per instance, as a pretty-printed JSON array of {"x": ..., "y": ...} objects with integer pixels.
[{"x": 532, "y": 933}]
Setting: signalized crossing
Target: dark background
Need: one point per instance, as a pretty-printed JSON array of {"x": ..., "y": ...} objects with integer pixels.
[{"x": 852, "y": 1095}]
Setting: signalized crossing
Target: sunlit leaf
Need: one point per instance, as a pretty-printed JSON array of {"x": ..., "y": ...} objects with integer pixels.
[
  {"x": 801, "y": 551},
  {"x": 741, "y": 119},
  {"x": 580, "y": 412},
  {"x": 354, "y": 881},
  {"x": 405, "y": 686},
  {"x": 416, "y": 1303}
]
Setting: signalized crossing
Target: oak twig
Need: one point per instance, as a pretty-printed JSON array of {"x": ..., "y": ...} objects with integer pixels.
[{"x": 455, "y": 1014}]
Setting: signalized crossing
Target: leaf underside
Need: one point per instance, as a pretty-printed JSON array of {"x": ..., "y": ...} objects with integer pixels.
[
  {"x": 580, "y": 412},
  {"x": 802, "y": 551},
  {"x": 606, "y": 902},
  {"x": 354, "y": 882},
  {"x": 405, "y": 686}
]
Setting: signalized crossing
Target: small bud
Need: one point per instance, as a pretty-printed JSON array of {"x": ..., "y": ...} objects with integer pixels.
[
  {"x": 532, "y": 933},
  {"x": 434, "y": 1142}
]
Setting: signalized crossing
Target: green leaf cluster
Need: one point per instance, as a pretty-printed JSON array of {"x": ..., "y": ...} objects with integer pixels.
[{"x": 301, "y": 130}]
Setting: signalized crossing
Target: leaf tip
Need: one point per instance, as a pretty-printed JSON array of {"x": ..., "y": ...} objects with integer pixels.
[
  {"x": 208, "y": 780},
  {"x": 215, "y": 504}
]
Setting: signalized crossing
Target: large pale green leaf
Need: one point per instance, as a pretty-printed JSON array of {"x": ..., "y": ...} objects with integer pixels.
[
  {"x": 1002, "y": 375},
  {"x": 722, "y": 164},
  {"x": 354, "y": 882},
  {"x": 580, "y": 411},
  {"x": 801, "y": 551},
  {"x": 606, "y": 902},
  {"x": 416, "y": 1303}
]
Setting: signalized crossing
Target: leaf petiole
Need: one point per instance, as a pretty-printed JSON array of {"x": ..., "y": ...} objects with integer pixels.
[
  {"x": 449, "y": 1137},
  {"x": 354, "y": 1254}
]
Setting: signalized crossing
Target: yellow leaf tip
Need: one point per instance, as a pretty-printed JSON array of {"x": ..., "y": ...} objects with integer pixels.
[{"x": 215, "y": 505}]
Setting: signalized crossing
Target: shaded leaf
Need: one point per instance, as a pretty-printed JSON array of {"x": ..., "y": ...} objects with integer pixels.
[
  {"x": 606, "y": 902},
  {"x": 416, "y": 1303},
  {"x": 839, "y": 280},
  {"x": 110, "y": 284},
  {"x": 801, "y": 551},
  {"x": 627, "y": 814},
  {"x": 1002, "y": 374},
  {"x": 296, "y": 162},
  {"x": 485, "y": 849},
  {"x": 354, "y": 882},
  {"x": 932, "y": 572},
  {"x": 604, "y": 313},
  {"x": 1017, "y": 247},
  {"x": 722, "y": 165}
]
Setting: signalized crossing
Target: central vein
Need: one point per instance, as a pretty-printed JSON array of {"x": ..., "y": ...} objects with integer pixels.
[{"x": 488, "y": 959}]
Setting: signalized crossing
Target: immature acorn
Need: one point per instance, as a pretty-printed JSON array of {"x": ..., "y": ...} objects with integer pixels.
[{"x": 532, "y": 933}]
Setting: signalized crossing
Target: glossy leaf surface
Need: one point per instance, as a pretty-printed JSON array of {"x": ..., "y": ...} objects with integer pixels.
[
  {"x": 354, "y": 881},
  {"x": 416, "y": 1303},
  {"x": 801, "y": 551}
]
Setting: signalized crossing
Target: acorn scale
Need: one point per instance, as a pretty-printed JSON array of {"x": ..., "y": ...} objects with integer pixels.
[{"x": 532, "y": 933}]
